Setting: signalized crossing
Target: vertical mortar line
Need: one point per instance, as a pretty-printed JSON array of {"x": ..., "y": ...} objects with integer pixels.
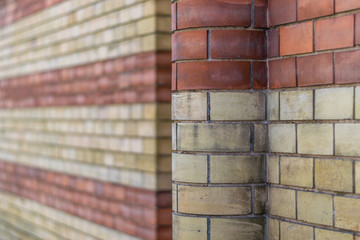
[
  {"x": 252, "y": 13},
  {"x": 314, "y": 233},
  {"x": 176, "y": 137},
  {"x": 252, "y": 129},
  {"x": 177, "y": 198},
  {"x": 279, "y": 106},
  {"x": 296, "y": 138},
  {"x": 314, "y": 104},
  {"x": 279, "y": 163},
  {"x": 208, "y": 106},
  {"x": 334, "y": 139},
  {"x": 296, "y": 204},
  {"x": 209, "y": 44},
  {"x": 252, "y": 75},
  {"x": 353, "y": 176},
  {"x": 296, "y": 71},
  {"x": 296, "y": 3},
  {"x": 252, "y": 200},
  {"x": 354, "y": 102},
  {"x": 176, "y": 76},
  {"x": 208, "y": 228},
  {"x": 265, "y": 230},
  {"x": 176, "y": 18},
  {"x": 314, "y": 162},
  {"x": 314, "y": 42},
  {"x": 208, "y": 169},
  {"x": 333, "y": 211}
]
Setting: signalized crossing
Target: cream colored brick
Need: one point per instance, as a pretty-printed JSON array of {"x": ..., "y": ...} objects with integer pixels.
[
  {"x": 347, "y": 138},
  {"x": 334, "y": 103},
  {"x": 297, "y": 171},
  {"x": 174, "y": 136},
  {"x": 214, "y": 200},
  {"x": 273, "y": 227},
  {"x": 146, "y": 26},
  {"x": 273, "y": 169},
  {"x": 259, "y": 201},
  {"x": 174, "y": 197},
  {"x": 260, "y": 137},
  {"x": 282, "y": 138},
  {"x": 282, "y": 202},
  {"x": 189, "y": 168},
  {"x": 315, "y": 139},
  {"x": 357, "y": 177},
  {"x": 237, "y": 106},
  {"x": 315, "y": 208},
  {"x": 335, "y": 175},
  {"x": 163, "y": 7},
  {"x": 295, "y": 231},
  {"x": 296, "y": 105},
  {"x": 273, "y": 106},
  {"x": 357, "y": 102},
  {"x": 227, "y": 137},
  {"x": 324, "y": 234},
  {"x": 237, "y": 169},
  {"x": 185, "y": 228},
  {"x": 189, "y": 106},
  {"x": 347, "y": 213},
  {"x": 234, "y": 229}
]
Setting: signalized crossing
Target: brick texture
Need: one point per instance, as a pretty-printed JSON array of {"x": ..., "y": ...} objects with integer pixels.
[
  {"x": 296, "y": 39},
  {"x": 282, "y": 73},
  {"x": 311, "y": 9},
  {"x": 315, "y": 70},
  {"x": 345, "y": 5},
  {"x": 282, "y": 11},
  {"x": 189, "y": 45},
  {"x": 347, "y": 67}
]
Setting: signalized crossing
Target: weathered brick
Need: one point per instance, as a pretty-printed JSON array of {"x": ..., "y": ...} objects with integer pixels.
[
  {"x": 334, "y": 33},
  {"x": 347, "y": 213},
  {"x": 295, "y": 231},
  {"x": 315, "y": 139},
  {"x": 357, "y": 102},
  {"x": 310, "y": 9},
  {"x": 273, "y": 106},
  {"x": 273, "y": 169},
  {"x": 189, "y": 106},
  {"x": 259, "y": 200},
  {"x": 173, "y": 197},
  {"x": 189, "y": 168},
  {"x": 357, "y": 28},
  {"x": 282, "y": 73},
  {"x": 296, "y": 171},
  {"x": 185, "y": 227},
  {"x": 347, "y": 137},
  {"x": 281, "y": 202},
  {"x": 357, "y": 177},
  {"x": 214, "y": 200},
  {"x": 259, "y": 75},
  {"x": 296, "y": 39},
  {"x": 273, "y": 42},
  {"x": 345, "y": 5},
  {"x": 233, "y": 229},
  {"x": 282, "y": 138},
  {"x": 273, "y": 226},
  {"x": 347, "y": 67},
  {"x": 331, "y": 235},
  {"x": 173, "y": 16},
  {"x": 260, "y": 13},
  {"x": 282, "y": 11},
  {"x": 260, "y": 138},
  {"x": 296, "y": 105},
  {"x": 189, "y": 45}
]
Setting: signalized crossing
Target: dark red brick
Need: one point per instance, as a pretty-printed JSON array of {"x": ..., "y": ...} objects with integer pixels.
[
  {"x": 296, "y": 39},
  {"x": 334, "y": 33},
  {"x": 315, "y": 70},
  {"x": 260, "y": 17},
  {"x": 357, "y": 29},
  {"x": 173, "y": 16},
  {"x": 282, "y": 73},
  {"x": 201, "y": 13},
  {"x": 174, "y": 76},
  {"x": 240, "y": 44},
  {"x": 189, "y": 45},
  {"x": 214, "y": 75},
  {"x": 347, "y": 67},
  {"x": 259, "y": 75},
  {"x": 311, "y": 9},
  {"x": 282, "y": 11},
  {"x": 345, "y": 5},
  {"x": 273, "y": 42}
]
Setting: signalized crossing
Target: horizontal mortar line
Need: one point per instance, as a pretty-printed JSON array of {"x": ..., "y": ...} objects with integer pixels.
[
  {"x": 272, "y": 122},
  {"x": 220, "y": 60},
  {"x": 220, "y": 153},
  {"x": 245, "y": 122},
  {"x": 314, "y": 87},
  {"x": 315, "y": 225},
  {"x": 218, "y": 216},
  {"x": 189, "y": 29},
  {"x": 209, "y": 185},
  {"x": 222, "y": 91},
  {"x": 335, "y": 157},
  {"x": 315, "y": 121}
]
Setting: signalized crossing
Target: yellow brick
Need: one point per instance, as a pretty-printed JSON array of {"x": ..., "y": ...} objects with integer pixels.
[
  {"x": 347, "y": 138},
  {"x": 295, "y": 231},
  {"x": 334, "y": 103},
  {"x": 296, "y": 105},
  {"x": 163, "y": 42},
  {"x": 237, "y": 106},
  {"x": 234, "y": 229},
  {"x": 323, "y": 234},
  {"x": 260, "y": 137},
  {"x": 357, "y": 102},
  {"x": 189, "y": 168},
  {"x": 357, "y": 177},
  {"x": 163, "y": 24},
  {"x": 296, "y": 171},
  {"x": 189, "y": 106},
  {"x": 273, "y": 226},
  {"x": 237, "y": 169},
  {"x": 282, "y": 202},
  {"x": 273, "y": 106},
  {"x": 146, "y": 26},
  {"x": 315, "y": 208},
  {"x": 315, "y": 139},
  {"x": 213, "y": 137},
  {"x": 214, "y": 200},
  {"x": 174, "y": 198},
  {"x": 163, "y": 7},
  {"x": 174, "y": 136},
  {"x": 185, "y": 228},
  {"x": 273, "y": 169},
  {"x": 347, "y": 213},
  {"x": 259, "y": 200},
  {"x": 335, "y": 175},
  {"x": 282, "y": 138}
]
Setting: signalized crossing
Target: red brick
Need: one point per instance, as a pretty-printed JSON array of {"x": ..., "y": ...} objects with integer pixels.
[
  {"x": 214, "y": 75},
  {"x": 174, "y": 76},
  {"x": 334, "y": 33},
  {"x": 282, "y": 73},
  {"x": 260, "y": 17},
  {"x": 347, "y": 67},
  {"x": 200, "y": 13},
  {"x": 189, "y": 45},
  {"x": 357, "y": 29},
  {"x": 296, "y": 39},
  {"x": 311, "y": 9},
  {"x": 315, "y": 70},
  {"x": 240, "y": 44},
  {"x": 273, "y": 42},
  {"x": 259, "y": 75},
  {"x": 173, "y": 16},
  {"x": 345, "y": 5},
  {"x": 282, "y": 11}
]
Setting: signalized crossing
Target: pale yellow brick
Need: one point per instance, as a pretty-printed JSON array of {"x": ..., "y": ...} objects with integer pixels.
[
  {"x": 347, "y": 138},
  {"x": 228, "y": 137},
  {"x": 163, "y": 24},
  {"x": 260, "y": 137},
  {"x": 174, "y": 136},
  {"x": 296, "y": 105},
  {"x": 315, "y": 208},
  {"x": 323, "y": 234},
  {"x": 296, "y": 171},
  {"x": 357, "y": 177},
  {"x": 237, "y": 106},
  {"x": 189, "y": 106},
  {"x": 146, "y": 26},
  {"x": 237, "y": 169},
  {"x": 282, "y": 138},
  {"x": 174, "y": 197},
  {"x": 357, "y": 102},
  {"x": 282, "y": 202},
  {"x": 347, "y": 213},
  {"x": 315, "y": 139},
  {"x": 334, "y": 103},
  {"x": 273, "y": 169},
  {"x": 259, "y": 200},
  {"x": 273, "y": 227},
  {"x": 295, "y": 231},
  {"x": 273, "y": 106},
  {"x": 214, "y": 200},
  {"x": 163, "y": 7},
  {"x": 185, "y": 228},
  {"x": 189, "y": 168},
  {"x": 234, "y": 229},
  {"x": 148, "y": 43},
  {"x": 335, "y": 175}
]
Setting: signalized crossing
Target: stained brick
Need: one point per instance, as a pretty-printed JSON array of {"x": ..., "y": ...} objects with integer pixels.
[
  {"x": 199, "y": 13},
  {"x": 334, "y": 33},
  {"x": 260, "y": 17},
  {"x": 295, "y": 231},
  {"x": 315, "y": 70},
  {"x": 273, "y": 42},
  {"x": 259, "y": 75},
  {"x": 189, "y": 45},
  {"x": 347, "y": 67},
  {"x": 282, "y": 11},
  {"x": 345, "y": 5},
  {"x": 282, "y": 202},
  {"x": 296, "y": 38},
  {"x": 239, "y": 44},
  {"x": 282, "y": 73},
  {"x": 236, "y": 228},
  {"x": 312, "y": 9}
]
